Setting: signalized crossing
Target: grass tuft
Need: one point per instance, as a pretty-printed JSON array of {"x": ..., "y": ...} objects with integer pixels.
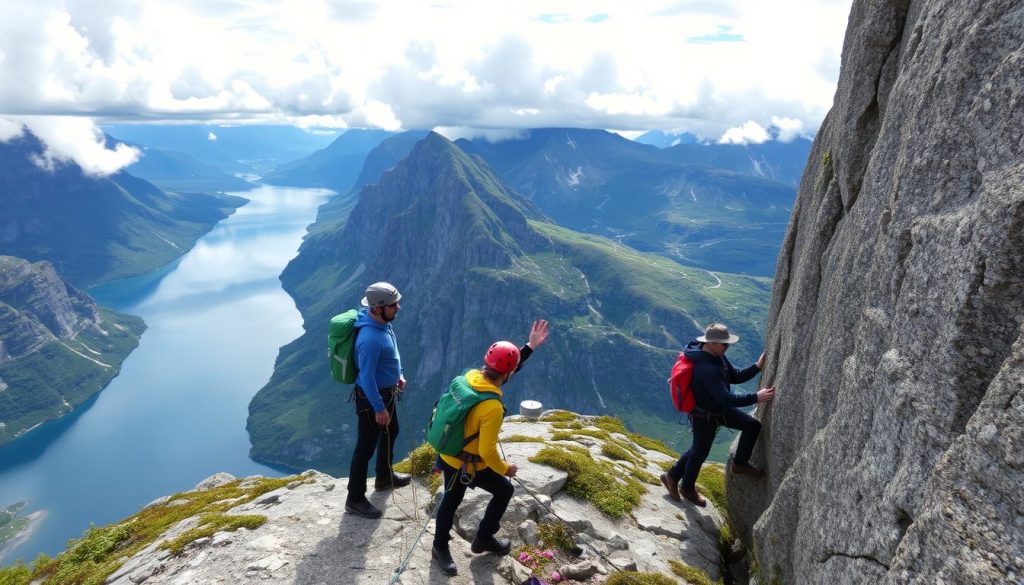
[
  {"x": 635, "y": 578},
  {"x": 692, "y": 575},
  {"x": 523, "y": 439}
]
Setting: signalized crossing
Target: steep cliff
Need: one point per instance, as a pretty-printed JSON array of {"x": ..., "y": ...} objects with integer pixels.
[
  {"x": 476, "y": 262},
  {"x": 896, "y": 334},
  {"x": 57, "y": 347},
  {"x": 95, "y": 229}
]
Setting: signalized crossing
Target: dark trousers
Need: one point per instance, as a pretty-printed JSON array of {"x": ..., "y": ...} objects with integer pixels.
[
  {"x": 486, "y": 479},
  {"x": 704, "y": 430},
  {"x": 371, "y": 437}
]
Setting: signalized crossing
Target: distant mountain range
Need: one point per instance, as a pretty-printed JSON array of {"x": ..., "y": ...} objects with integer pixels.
[
  {"x": 95, "y": 229},
  {"x": 335, "y": 167},
  {"x": 57, "y": 348},
  {"x": 177, "y": 171},
  {"x": 477, "y": 262},
  {"x": 699, "y": 204},
  {"x": 234, "y": 149}
]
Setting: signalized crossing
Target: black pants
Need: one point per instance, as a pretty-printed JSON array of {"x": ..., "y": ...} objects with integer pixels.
[
  {"x": 486, "y": 479},
  {"x": 372, "y": 437},
  {"x": 704, "y": 430}
]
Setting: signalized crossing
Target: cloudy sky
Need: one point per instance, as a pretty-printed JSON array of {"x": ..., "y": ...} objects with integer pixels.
[{"x": 727, "y": 70}]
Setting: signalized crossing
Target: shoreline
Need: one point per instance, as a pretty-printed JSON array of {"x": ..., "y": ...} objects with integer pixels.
[{"x": 22, "y": 536}]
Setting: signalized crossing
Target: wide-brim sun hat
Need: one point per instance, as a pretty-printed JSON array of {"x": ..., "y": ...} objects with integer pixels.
[
  {"x": 718, "y": 333},
  {"x": 379, "y": 294}
]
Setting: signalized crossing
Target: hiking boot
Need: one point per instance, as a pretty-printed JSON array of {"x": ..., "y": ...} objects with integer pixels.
[
  {"x": 672, "y": 486},
  {"x": 397, "y": 480},
  {"x": 692, "y": 495},
  {"x": 491, "y": 544},
  {"x": 444, "y": 560},
  {"x": 363, "y": 508},
  {"x": 747, "y": 469}
]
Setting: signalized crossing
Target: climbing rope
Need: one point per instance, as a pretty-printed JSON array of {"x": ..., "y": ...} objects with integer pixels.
[{"x": 405, "y": 563}]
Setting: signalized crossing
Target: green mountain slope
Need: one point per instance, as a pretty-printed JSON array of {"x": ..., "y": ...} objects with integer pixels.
[
  {"x": 57, "y": 348},
  {"x": 96, "y": 229},
  {"x": 476, "y": 262}
]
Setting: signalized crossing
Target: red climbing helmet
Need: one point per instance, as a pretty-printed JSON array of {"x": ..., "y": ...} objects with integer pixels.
[{"x": 502, "y": 357}]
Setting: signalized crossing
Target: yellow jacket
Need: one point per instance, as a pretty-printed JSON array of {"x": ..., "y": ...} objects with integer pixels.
[{"x": 484, "y": 418}]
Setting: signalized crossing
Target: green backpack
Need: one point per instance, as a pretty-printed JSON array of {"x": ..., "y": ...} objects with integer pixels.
[
  {"x": 341, "y": 347},
  {"x": 447, "y": 427}
]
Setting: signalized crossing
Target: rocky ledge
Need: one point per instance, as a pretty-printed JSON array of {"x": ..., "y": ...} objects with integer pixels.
[{"x": 295, "y": 530}]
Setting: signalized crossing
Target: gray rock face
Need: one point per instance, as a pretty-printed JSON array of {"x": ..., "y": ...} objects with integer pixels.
[
  {"x": 36, "y": 306},
  {"x": 896, "y": 335}
]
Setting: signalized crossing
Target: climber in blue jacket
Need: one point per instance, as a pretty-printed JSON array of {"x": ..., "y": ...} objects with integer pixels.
[{"x": 716, "y": 405}]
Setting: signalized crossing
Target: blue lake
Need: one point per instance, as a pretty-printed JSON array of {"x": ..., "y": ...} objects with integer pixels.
[{"x": 176, "y": 414}]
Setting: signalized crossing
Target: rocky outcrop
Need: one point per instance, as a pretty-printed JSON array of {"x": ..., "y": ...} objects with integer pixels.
[
  {"x": 896, "y": 335},
  {"x": 307, "y": 538},
  {"x": 57, "y": 347},
  {"x": 36, "y": 306}
]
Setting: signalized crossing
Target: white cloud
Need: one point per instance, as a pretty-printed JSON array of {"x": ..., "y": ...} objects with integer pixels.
[
  {"x": 409, "y": 64},
  {"x": 71, "y": 139},
  {"x": 211, "y": 137},
  {"x": 749, "y": 133},
  {"x": 788, "y": 129},
  {"x": 10, "y": 129}
]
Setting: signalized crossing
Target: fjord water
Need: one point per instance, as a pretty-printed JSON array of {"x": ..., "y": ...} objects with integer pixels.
[{"x": 176, "y": 414}]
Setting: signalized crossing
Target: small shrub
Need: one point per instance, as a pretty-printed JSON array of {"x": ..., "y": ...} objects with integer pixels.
[
  {"x": 420, "y": 461},
  {"x": 555, "y": 536}
]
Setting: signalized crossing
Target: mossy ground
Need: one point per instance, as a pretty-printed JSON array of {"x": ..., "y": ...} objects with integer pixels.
[
  {"x": 102, "y": 550},
  {"x": 599, "y": 482}
]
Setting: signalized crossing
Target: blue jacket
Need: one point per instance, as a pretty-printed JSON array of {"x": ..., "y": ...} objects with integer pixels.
[
  {"x": 380, "y": 365},
  {"x": 711, "y": 379}
]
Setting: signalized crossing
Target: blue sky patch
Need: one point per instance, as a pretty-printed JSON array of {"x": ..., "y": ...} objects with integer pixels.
[{"x": 722, "y": 36}]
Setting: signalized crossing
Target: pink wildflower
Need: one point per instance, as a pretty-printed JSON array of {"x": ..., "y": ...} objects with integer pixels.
[{"x": 556, "y": 576}]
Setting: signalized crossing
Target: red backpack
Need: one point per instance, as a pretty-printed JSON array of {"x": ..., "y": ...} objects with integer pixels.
[{"x": 679, "y": 384}]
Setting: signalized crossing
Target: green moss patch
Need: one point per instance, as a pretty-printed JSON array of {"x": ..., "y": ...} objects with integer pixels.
[
  {"x": 523, "y": 439},
  {"x": 617, "y": 451},
  {"x": 598, "y": 482},
  {"x": 712, "y": 481},
  {"x": 558, "y": 416},
  {"x": 102, "y": 550}
]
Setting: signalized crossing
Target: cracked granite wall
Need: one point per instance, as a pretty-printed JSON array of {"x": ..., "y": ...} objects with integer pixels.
[{"x": 895, "y": 448}]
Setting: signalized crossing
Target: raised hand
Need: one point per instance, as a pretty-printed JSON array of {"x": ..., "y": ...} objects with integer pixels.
[
  {"x": 765, "y": 394},
  {"x": 538, "y": 333}
]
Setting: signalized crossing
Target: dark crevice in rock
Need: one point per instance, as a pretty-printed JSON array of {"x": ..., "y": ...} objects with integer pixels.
[
  {"x": 903, "y": 521},
  {"x": 831, "y": 554}
]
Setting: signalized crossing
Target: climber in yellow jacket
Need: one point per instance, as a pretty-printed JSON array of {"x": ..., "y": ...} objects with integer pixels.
[{"x": 481, "y": 465}]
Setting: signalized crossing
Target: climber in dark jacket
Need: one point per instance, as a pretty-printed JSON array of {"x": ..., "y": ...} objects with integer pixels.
[{"x": 716, "y": 405}]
